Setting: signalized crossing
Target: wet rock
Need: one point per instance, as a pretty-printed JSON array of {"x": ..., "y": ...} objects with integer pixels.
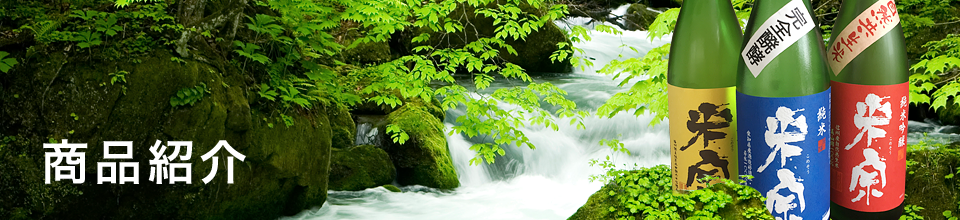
[
  {"x": 342, "y": 126},
  {"x": 392, "y": 188},
  {"x": 639, "y": 17},
  {"x": 284, "y": 170},
  {"x": 359, "y": 168},
  {"x": 424, "y": 159}
]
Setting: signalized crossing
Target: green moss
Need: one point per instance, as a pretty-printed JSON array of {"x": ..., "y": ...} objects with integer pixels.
[
  {"x": 424, "y": 159},
  {"x": 638, "y": 17},
  {"x": 927, "y": 185},
  {"x": 368, "y": 53},
  {"x": 392, "y": 188},
  {"x": 342, "y": 126},
  {"x": 647, "y": 193},
  {"x": 285, "y": 170},
  {"x": 360, "y": 167}
]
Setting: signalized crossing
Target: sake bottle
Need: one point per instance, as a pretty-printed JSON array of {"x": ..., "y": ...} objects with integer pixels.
[
  {"x": 701, "y": 74},
  {"x": 867, "y": 56},
  {"x": 783, "y": 96}
]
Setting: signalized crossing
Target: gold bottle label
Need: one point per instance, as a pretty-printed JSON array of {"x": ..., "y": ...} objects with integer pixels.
[{"x": 702, "y": 135}]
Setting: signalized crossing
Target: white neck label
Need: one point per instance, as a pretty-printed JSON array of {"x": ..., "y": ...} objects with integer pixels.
[
  {"x": 873, "y": 23},
  {"x": 776, "y": 34}
]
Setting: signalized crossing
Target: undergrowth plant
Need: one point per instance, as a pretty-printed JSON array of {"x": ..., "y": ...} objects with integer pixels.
[
  {"x": 189, "y": 96},
  {"x": 648, "y": 193},
  {"x": 6, "y": 63}
]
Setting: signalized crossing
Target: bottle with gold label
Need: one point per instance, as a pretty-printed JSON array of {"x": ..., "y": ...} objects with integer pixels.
[
  {"x": 867, "y": 56},
  {"x": 701, "y": 76},
  {"x": 783, "y": 96}
]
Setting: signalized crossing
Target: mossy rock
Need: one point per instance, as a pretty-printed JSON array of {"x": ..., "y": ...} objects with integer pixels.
[
  {"x": 392, "y": 188},
  {"x": 359, "y": 168},
  {"x": 284, "y": 171},
  {"x": 638, "y": 17},
  {"x": 368, "y": 53},
  {"x": 926, "y": 182},
  {"x": 423, "y": 159},
  {"x": 655, "y": 184},
  {"x": 949, "y": 114},
  {"x": 342, "y": 125}
]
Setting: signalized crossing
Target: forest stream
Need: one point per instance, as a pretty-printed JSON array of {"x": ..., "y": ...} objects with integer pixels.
[{"x": 549, "y": 182}]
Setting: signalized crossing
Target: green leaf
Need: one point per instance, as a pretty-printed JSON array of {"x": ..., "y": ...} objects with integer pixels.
[{"x": 8, "y": 63}]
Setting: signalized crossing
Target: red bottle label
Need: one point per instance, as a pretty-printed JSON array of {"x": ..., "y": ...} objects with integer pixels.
[{"x": 869, "y": 145}]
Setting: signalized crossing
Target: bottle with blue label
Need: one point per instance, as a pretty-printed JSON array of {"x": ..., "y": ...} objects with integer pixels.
[
  {"x": 701, "y": 74},
  {"x": 783, "y": 102}
]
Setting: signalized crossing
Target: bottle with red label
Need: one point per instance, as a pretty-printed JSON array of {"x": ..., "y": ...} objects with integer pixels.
[{"x": 870, "y": 96}]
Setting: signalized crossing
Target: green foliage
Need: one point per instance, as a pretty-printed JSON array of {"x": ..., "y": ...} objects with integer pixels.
[
  {"x": 108, "y": 24},
  {"x": 249, "y": 50},
  {"x": 911, "y": 212},
  {"x": 941, "y": 60},
  {"x": 644, "y": 96},
  {"x": 119, "y": 76},
  {"x": 664, "y": 23},
  {"x": 397, "y": 134},
  {"x": 189, "y": 96},
  {"x": 301, "y": 31},
  {"x": 919, "y": 14},
  {"x": 647, "y": 193},
  {"x": 264, "y": 24},
  {"x": 178, "y": 60},
  {"x": 6, "y": 63},
  {"x": 87, "y": 39},
  {"x": 125, "y": 3},
  {"x": 45, "y": 31}
]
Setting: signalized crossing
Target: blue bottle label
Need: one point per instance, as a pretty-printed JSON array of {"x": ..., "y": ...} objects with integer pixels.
[{"x": 784, "y": 145}]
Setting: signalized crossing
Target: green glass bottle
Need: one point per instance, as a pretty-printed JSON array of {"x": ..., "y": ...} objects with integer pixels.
[
  {"x": 701, "y": 76},
  {"x": 867, "y": 56},
  {"x": 783, "y": 96}
]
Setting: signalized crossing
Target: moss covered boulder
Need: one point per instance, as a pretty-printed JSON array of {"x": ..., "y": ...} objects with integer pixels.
[
  {"x": 927, "y": 183},
  {"x": 638, "y": 17},
  {"x": 343, "y": 128},
  {"x": 284, "y": 170},
  {"x": 360, "y": 167},
  {"x": 423, "y": 159},
  {"x": 650, "y": 189}
]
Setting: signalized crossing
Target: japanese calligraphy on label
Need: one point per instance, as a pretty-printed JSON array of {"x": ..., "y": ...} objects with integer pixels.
[
  {"x": 863, "y": 31},
  {"x": 776, "y": 34},
  {"x": 783, "y": 145},
  {"x": 870, "y": 129},
  {"x": 702, "y": 126}
]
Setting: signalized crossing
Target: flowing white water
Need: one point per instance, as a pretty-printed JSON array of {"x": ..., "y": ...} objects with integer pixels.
[{"x": 550, "y": 182}]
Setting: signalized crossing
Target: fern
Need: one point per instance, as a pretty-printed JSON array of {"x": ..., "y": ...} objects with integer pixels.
[
  {"x": 249, "y": 50},
  {"x": 264, "y": 24}
]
